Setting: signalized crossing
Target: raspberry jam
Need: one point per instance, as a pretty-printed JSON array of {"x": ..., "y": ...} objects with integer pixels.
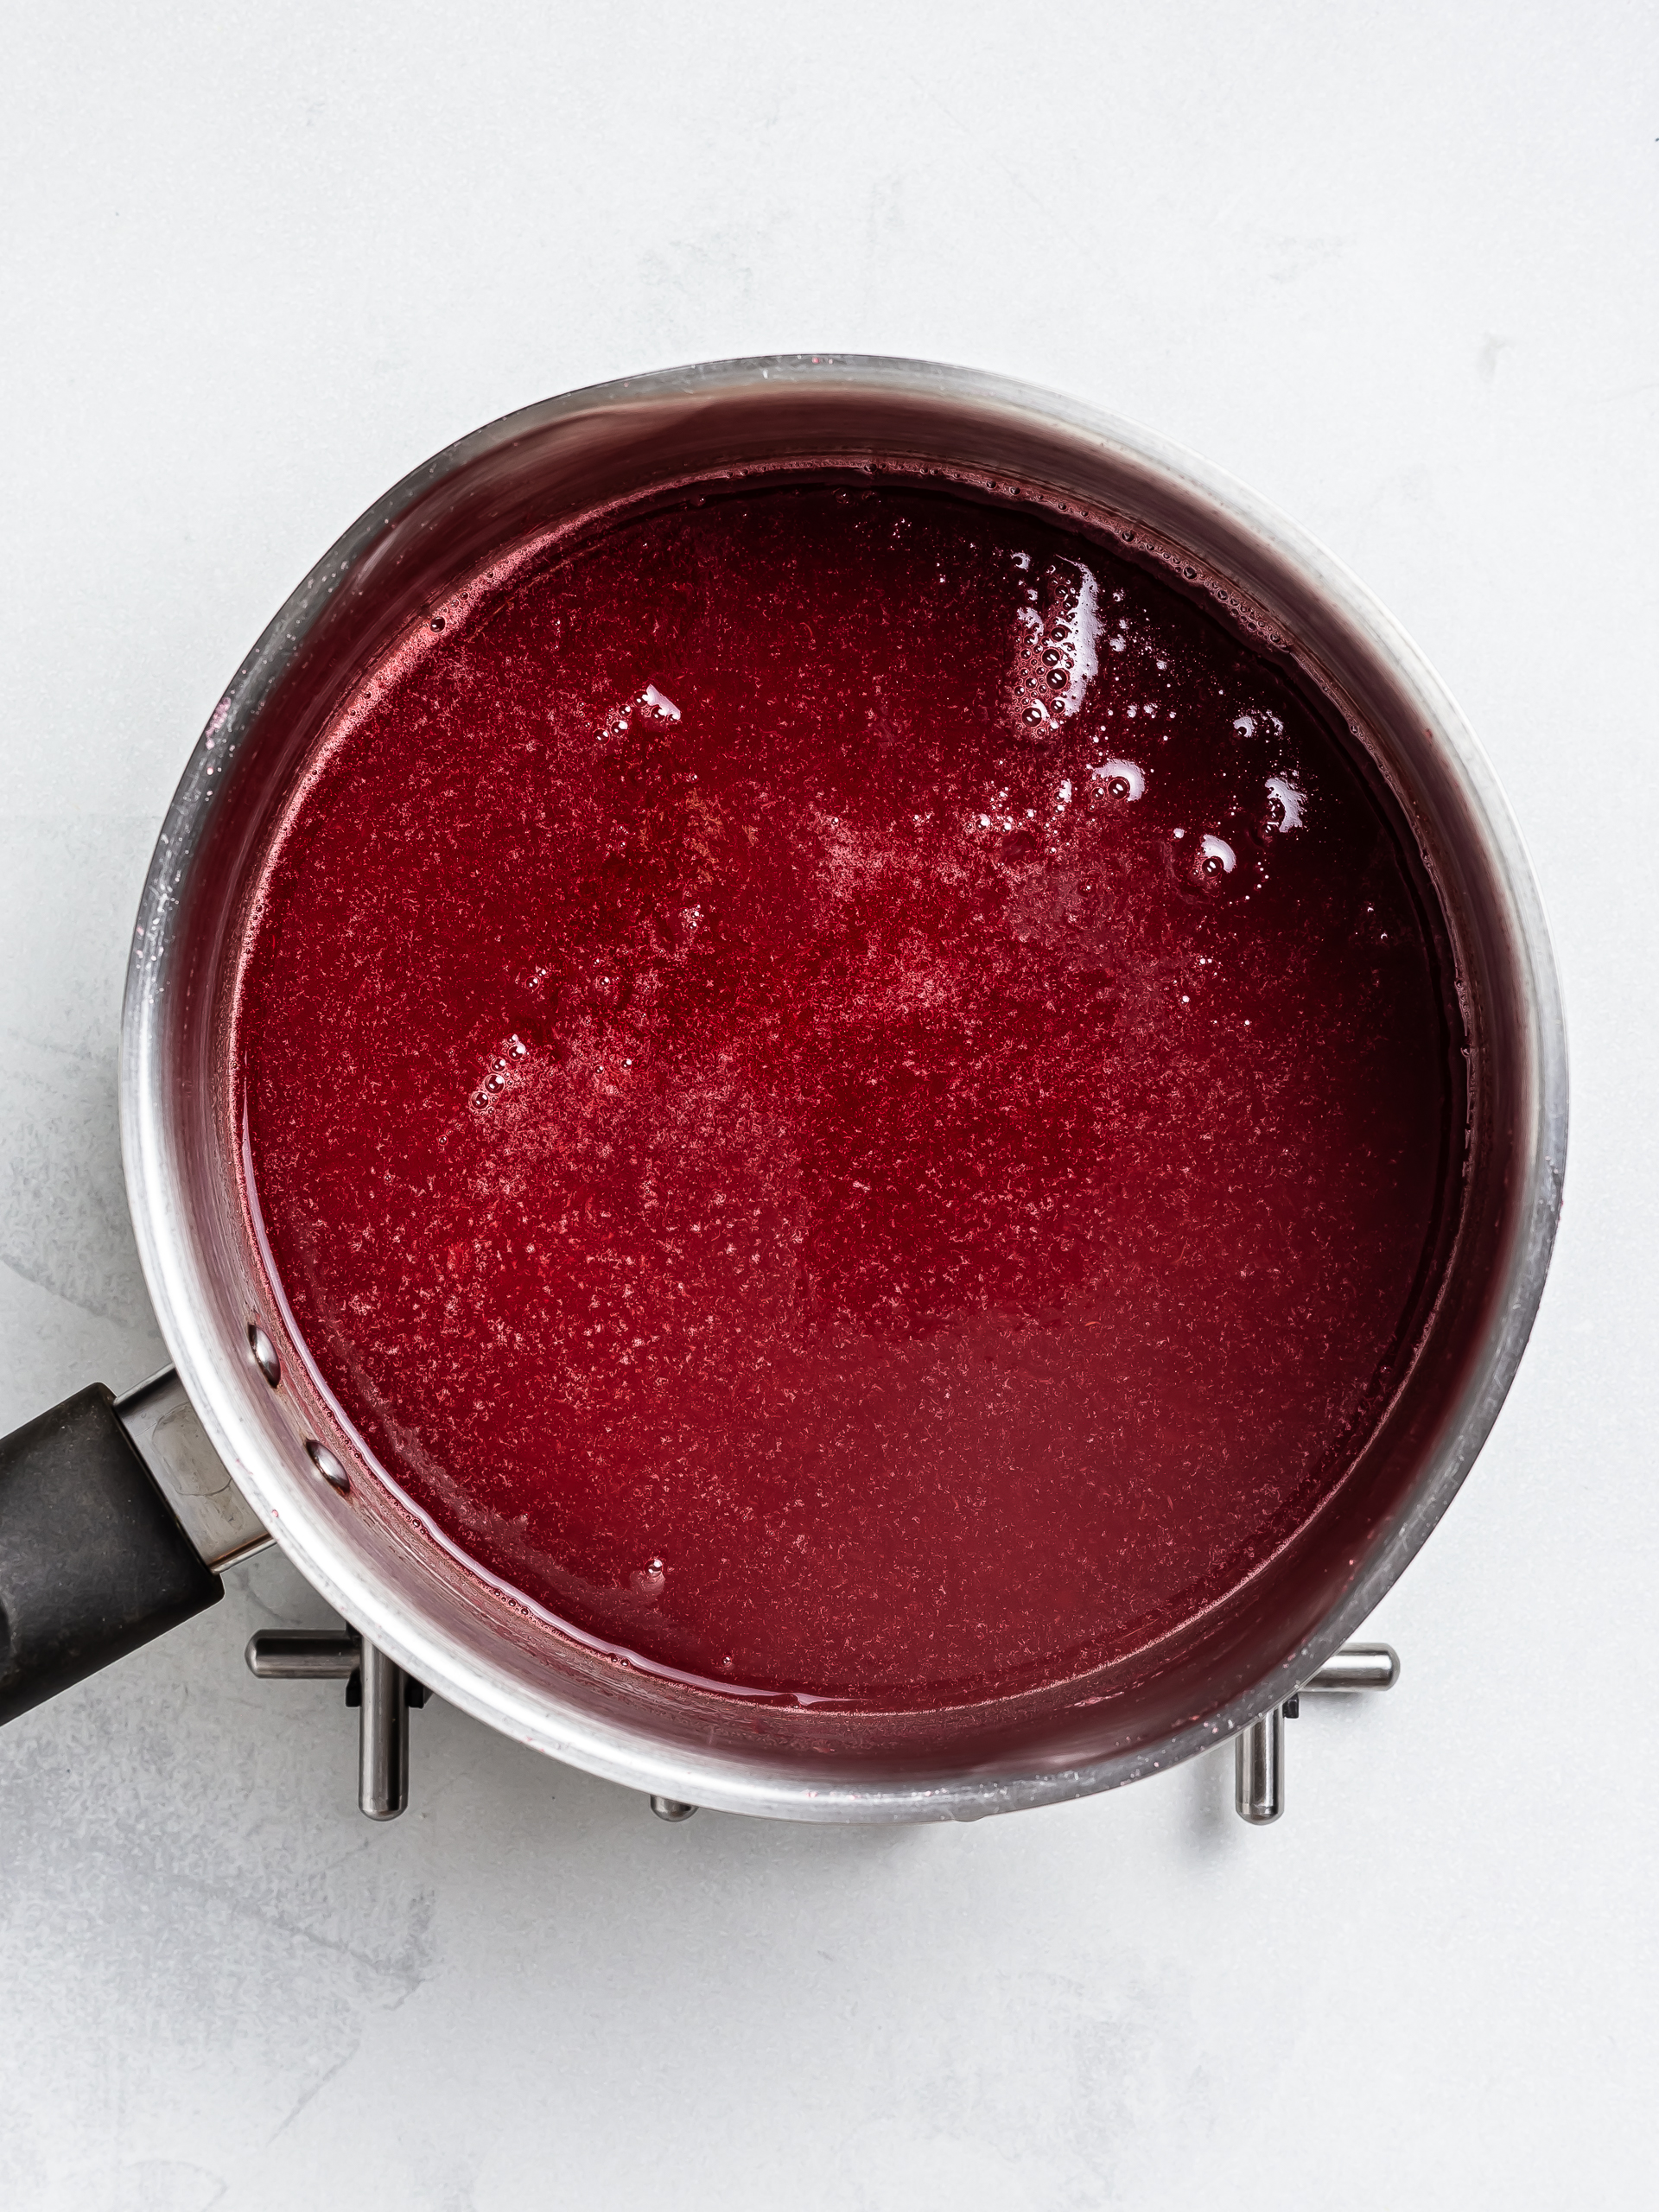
[{"x": 851, "y": 1090}]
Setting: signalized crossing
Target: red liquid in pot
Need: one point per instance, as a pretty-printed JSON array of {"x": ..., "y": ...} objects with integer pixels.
[{"x": 849, "y": 1090}]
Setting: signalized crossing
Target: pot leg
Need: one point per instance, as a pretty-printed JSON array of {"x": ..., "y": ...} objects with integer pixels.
[
  {"x": 382, "y": 1737},
  {"x": 1259, "y": 1770},
  {"x": 1259, "y": 1750},
  {"x": 374, "y": 1682},
  {"x": 671, "y": 1809}
]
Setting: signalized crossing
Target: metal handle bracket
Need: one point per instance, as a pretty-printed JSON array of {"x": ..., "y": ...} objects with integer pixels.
[
  {"x": 1259, "y": 1750},
  {"x": 374, "y": 1682},
  {"x": 164, "y": 1431}
]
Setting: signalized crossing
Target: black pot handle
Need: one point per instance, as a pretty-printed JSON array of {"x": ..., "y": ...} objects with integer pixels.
[{"x": 96, "y": 1498}]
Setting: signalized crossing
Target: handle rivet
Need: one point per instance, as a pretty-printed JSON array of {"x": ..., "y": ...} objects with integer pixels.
[
  {"x": 328, "y": 1467},
  {"x": 264, "y": 1353}
]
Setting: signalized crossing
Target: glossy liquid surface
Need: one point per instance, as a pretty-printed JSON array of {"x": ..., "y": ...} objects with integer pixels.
[{"x": 849, "y": 1090}]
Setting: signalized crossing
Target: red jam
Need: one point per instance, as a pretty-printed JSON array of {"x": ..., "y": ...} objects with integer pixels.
[{"x": 849, "y": 1088}]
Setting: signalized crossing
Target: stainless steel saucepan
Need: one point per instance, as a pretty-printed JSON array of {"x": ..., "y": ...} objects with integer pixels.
[{"x": 114, "y": 1519}]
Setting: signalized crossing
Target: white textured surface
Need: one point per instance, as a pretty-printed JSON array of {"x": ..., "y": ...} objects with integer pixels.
[{"x": 1396, "y": 269}]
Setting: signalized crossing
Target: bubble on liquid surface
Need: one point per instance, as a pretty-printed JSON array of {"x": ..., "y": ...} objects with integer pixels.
[
  {"x": 1284, "y": 807},
  {"x": 1208, "y": 865},
  {"x": 1123, "y": 778},
  {"x": 606, "y": 985},
  {"x": 650, "y": 1580},
  {"x": 1056, "y": 644}
]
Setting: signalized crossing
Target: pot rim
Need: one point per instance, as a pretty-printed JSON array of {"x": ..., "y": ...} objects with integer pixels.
[{"x": 212, "y": 1371}]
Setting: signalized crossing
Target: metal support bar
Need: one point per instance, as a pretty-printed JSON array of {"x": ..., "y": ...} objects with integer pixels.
[
  {"x": 382, "y": 1737},
  {"x": 1259, "y": 1750},
  {"x": 1259, "y": 1770},
  {"x": 302, "y": 1655},
  {"x": 1357, "y": 1667},
  {"x": 383, "y": 1692}
]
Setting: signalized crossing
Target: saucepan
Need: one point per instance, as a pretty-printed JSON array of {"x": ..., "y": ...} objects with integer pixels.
[{"x": 115, "y": 1518}]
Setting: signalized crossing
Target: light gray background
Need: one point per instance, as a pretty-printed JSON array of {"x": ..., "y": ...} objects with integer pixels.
[{"x": 1394, "y": 267}]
